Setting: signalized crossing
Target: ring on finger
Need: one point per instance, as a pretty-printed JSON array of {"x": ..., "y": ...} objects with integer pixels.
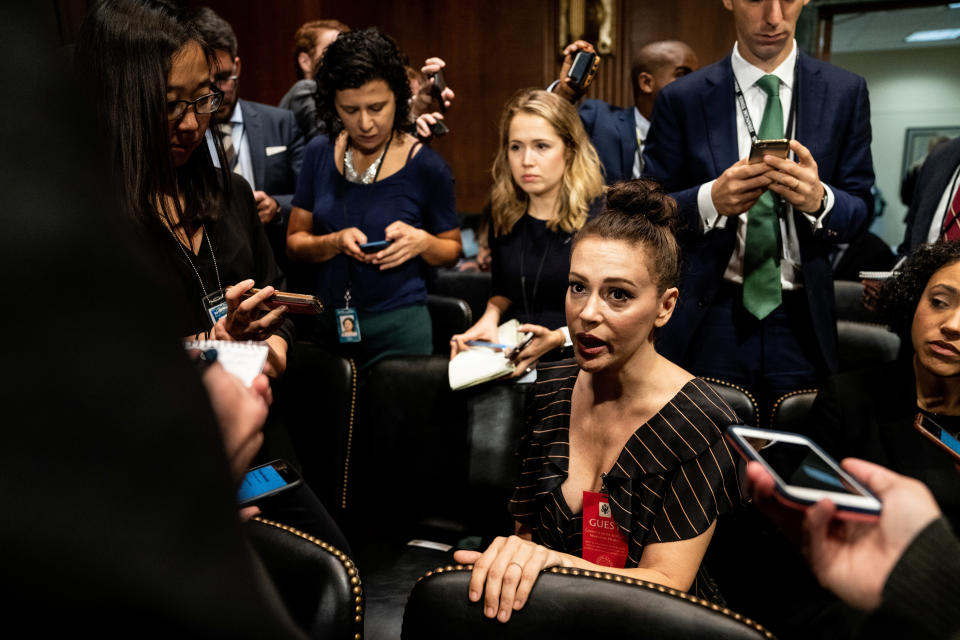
[{"x": 520, "y": 566}]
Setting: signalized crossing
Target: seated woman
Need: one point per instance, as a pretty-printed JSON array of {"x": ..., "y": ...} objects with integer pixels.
[
  {"x": 620, "y": 436},
  {"x": 545, "y": 177},
  {"x": 201, "y": 221},
  {"x": 369, "y": 181},
  {"x": 869, "y": 414}
]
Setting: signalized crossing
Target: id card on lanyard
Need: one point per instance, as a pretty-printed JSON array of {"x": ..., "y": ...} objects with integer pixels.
[{"x": 603, "y": 542}]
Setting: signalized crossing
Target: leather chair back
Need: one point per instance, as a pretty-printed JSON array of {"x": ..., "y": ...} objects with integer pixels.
[
  {"x": 317, "y": 582},
  {"x": 449, "y": 316},
  {"x": 790, "y": 410},
  {"x": 472, "y": 286},
  {"x": 865, "y": 345},
  {"x": 570, "y": 603},
  {"x": 848, "y": 298},
  {"x": 740, "y": 400}
]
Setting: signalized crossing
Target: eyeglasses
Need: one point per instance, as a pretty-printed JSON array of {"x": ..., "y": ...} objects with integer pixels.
[{"x": 202, "y": 106}]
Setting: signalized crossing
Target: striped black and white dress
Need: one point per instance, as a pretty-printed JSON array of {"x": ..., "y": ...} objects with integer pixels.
[{"x": 673, "y": 478}]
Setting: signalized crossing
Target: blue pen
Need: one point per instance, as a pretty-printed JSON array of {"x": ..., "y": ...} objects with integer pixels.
[{"x": 484, "y": 343}]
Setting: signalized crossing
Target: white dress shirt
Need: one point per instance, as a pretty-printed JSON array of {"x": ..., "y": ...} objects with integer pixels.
[
  {"x": 241, "y": 143},
  {"x": 755, "y": 97},
  {"x": 642, "y": 126}
]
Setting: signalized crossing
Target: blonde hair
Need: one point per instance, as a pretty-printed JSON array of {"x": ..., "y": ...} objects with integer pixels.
[{"x": 582, "y": 180}]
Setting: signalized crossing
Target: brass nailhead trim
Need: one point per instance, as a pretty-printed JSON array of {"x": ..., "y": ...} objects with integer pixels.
[
  {"x": 346, "y": 458},
  {"x": 776, "y": 405},
  {"x": 347, "y": 563},
  {"x": 749, "y": 395},
  {"x": 598, "y": 575}
]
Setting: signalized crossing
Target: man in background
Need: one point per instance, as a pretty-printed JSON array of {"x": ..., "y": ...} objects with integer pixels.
[
  {"x": 310, "y": 41},
  {"x": 262, "y": 143}
]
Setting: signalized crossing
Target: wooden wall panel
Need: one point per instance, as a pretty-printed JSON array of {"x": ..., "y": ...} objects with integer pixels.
[{"x": 493, "y": 47}]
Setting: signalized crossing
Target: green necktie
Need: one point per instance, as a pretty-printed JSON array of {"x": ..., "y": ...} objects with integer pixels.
[{"x": 761, "y": 256}]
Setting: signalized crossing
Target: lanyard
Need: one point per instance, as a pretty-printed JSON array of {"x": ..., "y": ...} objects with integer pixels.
[
  {"x": 186, "y": 254},
  {"x": 523, "y": 275},
  {"x": 348, "y": 158},
  {"x": 793, "y": 103}
]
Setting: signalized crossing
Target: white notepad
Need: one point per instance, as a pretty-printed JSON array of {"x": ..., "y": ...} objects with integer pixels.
[
  {"x": 481, "y": 364},
  {"x": 243, "y": 359}
]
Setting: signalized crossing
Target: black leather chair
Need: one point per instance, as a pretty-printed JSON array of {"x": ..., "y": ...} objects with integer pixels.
[
  {"x": 319, "y": 395},
  {"x": 318, "y": 583},
  {"x": 848, "y": 298},
  {"x": 740, "y": 400},
  {"x": 570, "y": 603},
  {"x": 865, "y": 345},
  {"x": 790, "y": 410},
  {"x": 471, "y": 286},
  {"x": 449, "y": 315}
]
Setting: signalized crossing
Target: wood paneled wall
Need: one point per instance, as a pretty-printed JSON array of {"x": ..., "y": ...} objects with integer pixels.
[{"x": 492, "y": 47}]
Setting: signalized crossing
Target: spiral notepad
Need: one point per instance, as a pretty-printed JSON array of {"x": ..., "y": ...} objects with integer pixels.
[{"x": 243, "y": 359}]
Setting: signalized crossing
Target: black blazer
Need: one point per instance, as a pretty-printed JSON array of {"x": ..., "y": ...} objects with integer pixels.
[
  {"x": 275, "y": 171},
  {"x": 613, "y": 132},
  {"x": 934, "y": 178}
]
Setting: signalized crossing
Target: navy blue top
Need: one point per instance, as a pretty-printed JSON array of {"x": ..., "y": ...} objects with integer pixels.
[{"x": 420, "y": 194}]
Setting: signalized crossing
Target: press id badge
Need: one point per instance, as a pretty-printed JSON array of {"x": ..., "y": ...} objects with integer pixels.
[
  {"x": 603, "y": 542},
  {"x": 348, "y": 325},
  {"x": 215, "y": 304}
]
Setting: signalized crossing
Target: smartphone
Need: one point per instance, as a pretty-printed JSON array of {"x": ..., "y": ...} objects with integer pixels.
[
  {"x": 373, "y": 247},
  {"x": 294, "y": 302},
  {"x": 803, "y": 472},
  {"x": 583, "y": 68},
  {"x": 779, "y": 148},
  {"x": 438, "y": 128},
  {"x": 267, "y": 480},
  {"x": 523, "y": 345},
  {"x": 940, "y": 436}
]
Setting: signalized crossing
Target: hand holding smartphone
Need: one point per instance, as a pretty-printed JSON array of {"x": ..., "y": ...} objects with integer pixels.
[
  {"x": 803, "y": 473},
  {"x": 265, "y": 481},
  {"x": 294, "y": 302},
  {"x": 779, "y": 148}
]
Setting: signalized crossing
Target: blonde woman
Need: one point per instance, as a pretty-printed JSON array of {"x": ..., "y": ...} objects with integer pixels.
[{"x": 546, "y": 180}]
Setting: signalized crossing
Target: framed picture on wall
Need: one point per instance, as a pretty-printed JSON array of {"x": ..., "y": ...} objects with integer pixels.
[{"x": 919, "y": 141}]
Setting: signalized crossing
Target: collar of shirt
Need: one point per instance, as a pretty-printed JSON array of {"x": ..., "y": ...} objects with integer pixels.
[
  {"x": 642, "y": 124},
  {"x": 747, "y": 74}
]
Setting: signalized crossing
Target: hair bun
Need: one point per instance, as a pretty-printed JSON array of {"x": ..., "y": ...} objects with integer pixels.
[{"x": 643, "y": 197}]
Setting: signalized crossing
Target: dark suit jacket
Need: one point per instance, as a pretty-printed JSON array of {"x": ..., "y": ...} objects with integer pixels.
[
  {"x": 934, "y": 178},
  {"x": 276, "y": 174},
  {"x": 693, "y": 139},
  {"x": 613, "y": 132},
  {"x": 869, "y": 414}
]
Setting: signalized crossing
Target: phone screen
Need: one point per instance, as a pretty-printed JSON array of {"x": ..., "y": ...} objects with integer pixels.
[
  {"x": 259, "y": 481},
  {"x": 801, "y": 466},
  {"x": 927, "y": 424}
]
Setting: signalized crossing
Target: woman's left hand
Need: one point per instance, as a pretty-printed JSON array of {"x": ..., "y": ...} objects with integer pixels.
[
  {"x": 505, "y": 573},
  {"x": 544, "y": 340},
  {"x": 245, "y": 319},
  {"x": 407, "y": 243}
]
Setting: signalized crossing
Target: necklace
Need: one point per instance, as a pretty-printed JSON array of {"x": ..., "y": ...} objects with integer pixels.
[
  {"x": 368, "y": 176},
  {"x": 186, "y": 255}
]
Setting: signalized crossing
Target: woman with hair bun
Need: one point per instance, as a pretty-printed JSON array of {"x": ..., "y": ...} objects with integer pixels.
[
  {"x": 373, "y": 207},
  {"x": 546, "y": 177},
  {"x": 624, "y": 446}
]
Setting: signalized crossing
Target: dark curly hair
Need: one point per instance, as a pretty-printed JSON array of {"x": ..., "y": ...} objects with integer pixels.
[
  {"x": 351, "y": 61},
  {"x": 640, "y": 212},
  {"x": 900, "y": 295}
]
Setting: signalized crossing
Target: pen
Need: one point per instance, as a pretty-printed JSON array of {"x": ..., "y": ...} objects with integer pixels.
[{"x": 484, "y": 343}]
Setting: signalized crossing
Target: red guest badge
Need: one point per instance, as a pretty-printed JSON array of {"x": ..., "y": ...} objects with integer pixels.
[{"x": 603, "y": 543}]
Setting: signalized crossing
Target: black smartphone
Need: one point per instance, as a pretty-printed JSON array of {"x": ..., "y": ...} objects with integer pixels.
[
  {"x": 523, "y": 345},
  {"x": 267, "y": 480},
  {"x": 779, "y": 148},
  {"x": 373, "y": 247},
  {"x": 438, "y": 128},
  {"x": 581, "y": 71}
]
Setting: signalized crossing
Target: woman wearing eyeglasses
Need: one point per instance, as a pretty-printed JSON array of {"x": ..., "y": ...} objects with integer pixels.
[
  {"x": 153, "y": 92},
  {"x": 870, "y": 414}
]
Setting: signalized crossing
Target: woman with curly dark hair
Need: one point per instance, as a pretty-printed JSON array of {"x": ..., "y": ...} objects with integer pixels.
[
  {"x": 869, "y": 414},
  {"x": 373, "y": 206}
]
